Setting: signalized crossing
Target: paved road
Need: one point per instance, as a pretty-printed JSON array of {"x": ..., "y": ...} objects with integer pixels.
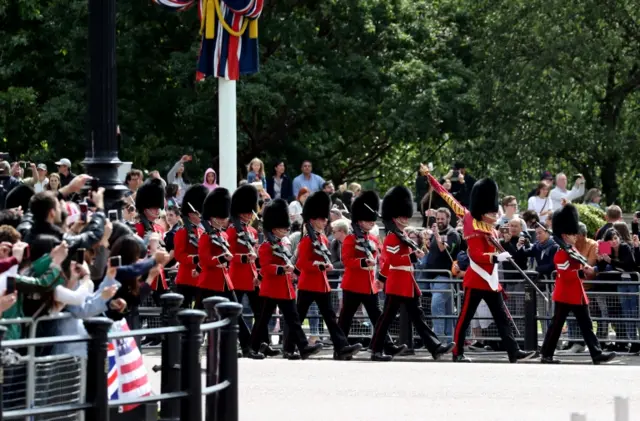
[{"x": 323, "y": 389}]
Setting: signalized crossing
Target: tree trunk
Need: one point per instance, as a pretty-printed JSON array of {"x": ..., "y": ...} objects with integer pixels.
[{"x": 608, "y": 174}]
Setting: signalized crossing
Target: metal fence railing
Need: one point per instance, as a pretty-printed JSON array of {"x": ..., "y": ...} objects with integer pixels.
[{"x": 66, "y": 387}]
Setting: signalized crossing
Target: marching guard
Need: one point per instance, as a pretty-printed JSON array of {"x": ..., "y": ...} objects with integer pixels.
[
  {"x": 399, "y": 254},
  {"x": 276, "y": 287},
  {"x": 568, "y": 294},
  {"x": 359, "y": 254},
  {"x": 243, "y": 240},
  {"x": 215, "y": 257},
  {"x": 149, "y": 202},
  {"x": 481, "y": 279},
  {"x": 313, "y": 263},
  {"x": 186, "y": 244}
]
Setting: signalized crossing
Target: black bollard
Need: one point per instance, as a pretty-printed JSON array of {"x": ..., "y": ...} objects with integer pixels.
[
  {"x": 170, "y": 374},
  {"x": 530, "y": 318},
  {"x": 213, "y": 337},
  {"x": 227, "y": 409},
  {"x": 191, "y": 408},
  {"x": 3, "y": 330},
  {"x": 97, "y": 393}
]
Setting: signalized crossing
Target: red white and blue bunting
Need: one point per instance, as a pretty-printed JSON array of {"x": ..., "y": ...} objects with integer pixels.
[{"x": 229, "y": 29}]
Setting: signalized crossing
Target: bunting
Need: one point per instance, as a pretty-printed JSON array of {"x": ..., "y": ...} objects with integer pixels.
[{"x": 229, "y": 30}]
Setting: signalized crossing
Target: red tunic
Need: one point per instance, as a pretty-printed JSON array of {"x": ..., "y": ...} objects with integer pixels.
[
  {"x": 156, "y": 228},
  {"x": 568, "y": 288},
  {"x": 185, "y": 253},
  {"x": 481, "y": 252},
  {"x": 396, "y": 270},
  {"x": 313, "y": 276},
  {"x": 215, "y": 273},
  {"x": 276, "y": 283},
  {"x": 242, "y": 274},
  {"x": 358, "y": 277}
]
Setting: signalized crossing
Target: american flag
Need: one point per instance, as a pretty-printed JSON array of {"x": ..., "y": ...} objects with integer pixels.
[
  {"x": 222, "y": 54},
  {"x": 127, "y": 377}
]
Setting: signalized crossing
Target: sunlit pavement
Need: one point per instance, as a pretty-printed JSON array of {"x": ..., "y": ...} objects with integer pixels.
[{"x": 417, "y": 388}]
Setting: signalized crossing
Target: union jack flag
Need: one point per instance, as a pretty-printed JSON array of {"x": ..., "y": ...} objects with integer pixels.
[
  {"x": 229, "y": 48},
  {"x": 127, "y": 377}
]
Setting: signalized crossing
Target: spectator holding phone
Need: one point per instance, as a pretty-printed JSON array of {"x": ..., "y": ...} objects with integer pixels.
[{"x": 560, "y": 192}]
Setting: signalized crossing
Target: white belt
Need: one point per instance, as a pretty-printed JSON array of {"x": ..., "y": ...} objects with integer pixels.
[
  {"x": 403, "y": 268},
  {"x": 371, "y": 268},
  {"x": 492, "y": 280}
]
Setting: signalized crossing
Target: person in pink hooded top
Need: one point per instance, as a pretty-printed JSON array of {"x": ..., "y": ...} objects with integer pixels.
[{"x": 210, "y": 179}]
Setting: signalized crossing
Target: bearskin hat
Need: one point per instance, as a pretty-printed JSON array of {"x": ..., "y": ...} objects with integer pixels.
[
  {"x": 317, "y": 206},
  {"x": 565, "y": 220},
  {"x": 194, "y": 196},
  {"x": 276, "y": 215},
  {"x": 397, "y": 203},
  {"x": 484, "y": 198},
  {"x": 150, "y": 195},
  {"x": 19, "y": 196},
  {"x": 365, "y": 207},
  {"x": 217, "y": 204},
  {"x": 244, "y": 200}
]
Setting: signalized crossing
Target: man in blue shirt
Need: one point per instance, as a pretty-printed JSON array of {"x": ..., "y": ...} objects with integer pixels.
[{"x": 307, "y": 179}]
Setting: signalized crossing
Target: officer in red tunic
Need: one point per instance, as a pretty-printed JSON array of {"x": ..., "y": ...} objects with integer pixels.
[
  {"x": 568, "y": 294},
  {"x": 214, "y": 257},
  {"x": 243, "y": 242},
  {"x": 313, "y": 263},
  {"x": 481, "y": 279},
  {"x": 149, "y": 202},
  {"x": 396, "y": 273},
  {"x": 359, "y": 254},
  {"x": 186, "y": 244},
  {"x": 276, "y": 287}
]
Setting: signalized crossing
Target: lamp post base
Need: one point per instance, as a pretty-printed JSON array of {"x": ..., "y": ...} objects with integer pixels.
[{"x": 106, "y": 170}]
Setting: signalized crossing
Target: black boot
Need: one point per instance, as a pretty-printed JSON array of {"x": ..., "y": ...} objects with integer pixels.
[
  {"x": 379, "y": 356},
  {"x": 522, "y": 356},
  {"x": 549, "y": 360},
  {"x": 395, "y": 350},
  {"x": 605, "y": 357},
  {"x": 268, "y": 351},
  {"x": 291, "y": 355},
  {"x": 310, "y": 350},
  {"x": 255, "y": 355},
  {"x": 461, "y": 359},
  {"x": 442, "y": 350},
  {"x": 348, "y": 351}
]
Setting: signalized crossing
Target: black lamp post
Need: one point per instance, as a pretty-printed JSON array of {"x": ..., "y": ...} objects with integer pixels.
[{"x": 101, "y": 154}]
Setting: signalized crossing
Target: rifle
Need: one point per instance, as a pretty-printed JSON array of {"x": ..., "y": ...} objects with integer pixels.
[
  {"x": 362, "y": 241},
  {"x": 243, "y": 236},
  {"x": 215, "y": 237},
  {"x": 278, "y": 249},
  {"x": 318, "y": 246}
]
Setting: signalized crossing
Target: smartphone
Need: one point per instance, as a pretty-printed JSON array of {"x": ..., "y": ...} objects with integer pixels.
[
  {"x": 11, "y": 285},
  {"x": 95, "y": 183},
  {"x": 430, "y": 166},
  {"x": 504, "y": 230},
  {"x": 26, "y": 253},
  {"x": 113, "y": 215},
  {"x": 79, "y": 256},
  {"x": 84, "y": 210},
  {"x": 23, "y": 164},
  {"x": 604, "y": 247},
  {"x": 115, "y": 261}
]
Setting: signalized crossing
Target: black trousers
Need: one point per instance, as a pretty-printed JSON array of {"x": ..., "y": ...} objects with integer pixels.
[
  {"x": 256, "y": 302},
  {"x": 245, "y": 334},
  {"x": 291, "y": 318},
  {"x": 190, "y": 294},
  {"x": 562, "y": 310},
  {"x": 351, "y": 302},
  {"x": 323, "y": 300},
  {"x": 392, "y": 304},
  {"x": 495, "y": 302}
]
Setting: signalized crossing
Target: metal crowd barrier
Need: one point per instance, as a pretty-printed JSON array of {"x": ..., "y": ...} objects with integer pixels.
[{"x": 181, "y": 396}]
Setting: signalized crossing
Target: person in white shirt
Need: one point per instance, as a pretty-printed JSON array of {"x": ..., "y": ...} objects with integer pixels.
[
  {"x": 560, "y": 192},
  {"x": 38, "y": 177},
  {"x": 541, "y": 203}
]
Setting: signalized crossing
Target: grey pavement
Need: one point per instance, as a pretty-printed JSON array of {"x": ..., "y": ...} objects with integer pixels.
[{"x": 414, "y": 388}]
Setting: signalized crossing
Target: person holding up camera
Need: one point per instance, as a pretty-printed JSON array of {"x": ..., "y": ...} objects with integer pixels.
[
  {"x": 560, "y": 192},
  {"x": 461, "y": 183}
]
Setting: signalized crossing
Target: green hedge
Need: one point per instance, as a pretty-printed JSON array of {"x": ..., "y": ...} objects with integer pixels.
[{"x": 592, "y": 217}]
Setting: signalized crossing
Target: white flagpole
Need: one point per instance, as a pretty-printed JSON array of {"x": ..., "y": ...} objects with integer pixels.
[{"x": 227, "y": 134}]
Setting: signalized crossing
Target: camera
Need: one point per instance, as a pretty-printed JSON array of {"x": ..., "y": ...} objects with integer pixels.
[{"x": 455, "y": 175}]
